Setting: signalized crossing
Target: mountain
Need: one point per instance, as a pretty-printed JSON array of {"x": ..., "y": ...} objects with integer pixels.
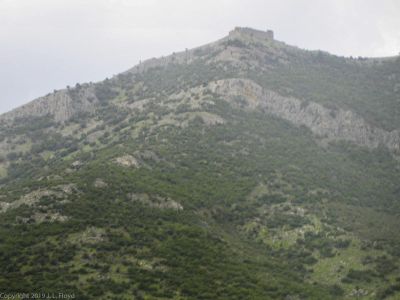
[{"x": 243, "y": 169}]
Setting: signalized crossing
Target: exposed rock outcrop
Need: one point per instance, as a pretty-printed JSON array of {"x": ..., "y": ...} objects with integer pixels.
[
  {"x": 100, "y": 183},
  {"x": 61, "y": 105},
  {"x": 331, "y": 124},
  {"x": 38, "y": 217},
  {"x": 59, "y": 193},
  {"x": 127, "y": 161},
  {"x": 92, "y": 235},
  {"x": 156, "y": 201}
]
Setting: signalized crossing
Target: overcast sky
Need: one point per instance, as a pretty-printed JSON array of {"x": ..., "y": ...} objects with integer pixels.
[{"x": 48, "y": 44}]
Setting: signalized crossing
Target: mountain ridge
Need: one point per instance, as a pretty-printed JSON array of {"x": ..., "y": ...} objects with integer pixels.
[
  {"x": 244, "y": 169},
  {"x": 64, "y": 104}
]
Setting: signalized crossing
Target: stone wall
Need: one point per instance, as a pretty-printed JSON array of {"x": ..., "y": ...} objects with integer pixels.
[{"x": 239, "y": 32}]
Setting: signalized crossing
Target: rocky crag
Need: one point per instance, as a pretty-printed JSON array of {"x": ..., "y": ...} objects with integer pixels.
[{"x": 326, "y": 123}]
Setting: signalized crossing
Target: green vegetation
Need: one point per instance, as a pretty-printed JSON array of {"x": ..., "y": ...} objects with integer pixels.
[{"x": 237, "y": 204}]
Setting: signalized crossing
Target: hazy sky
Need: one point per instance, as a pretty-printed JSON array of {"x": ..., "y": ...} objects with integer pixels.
[{"x": 48, "y": 44}]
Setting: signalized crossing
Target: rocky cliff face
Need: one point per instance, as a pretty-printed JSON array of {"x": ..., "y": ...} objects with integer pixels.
[
  {"x": 329, "y": 124},
  {"x": 61, "y": 105}
]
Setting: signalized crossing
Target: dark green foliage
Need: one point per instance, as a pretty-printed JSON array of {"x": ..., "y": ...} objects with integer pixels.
[
  {"x": 105, "y": 91},
  {"x": 222, "y": 244},
  {"x": 355, "y": 276}
]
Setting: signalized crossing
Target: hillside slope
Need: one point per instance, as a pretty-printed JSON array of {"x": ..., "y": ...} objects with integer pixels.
[{"x": 242, "y": 169}]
